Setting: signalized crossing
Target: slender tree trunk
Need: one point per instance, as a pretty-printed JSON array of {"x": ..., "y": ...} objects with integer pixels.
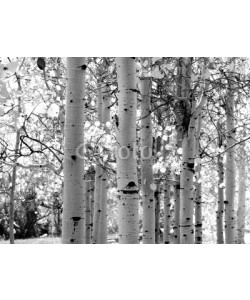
[
  {"x": 220, "y": 206},
  {"x": 13, "y": 188},
  {"x": 198, "y": 192},
  {"x": 241, "y": 212},
  {"x": 167, "y": 204},
  {"x": 127, "y": 181},
  {"x": 99, "y": 103},
  {"x": 157, "y": 195},
  {"x": 105, "y": 105},
  {"x": 73, "y": 194},
  {"x": 97, "y": 203},
  {"x": 177, "y": 188},
  {"x": 187, "y": 169},
  {"x": 230, "y": 169},
  {"x": 103, "y": 207},
  {"x": 88, "y": 219},
  {"x": 148, "y": 201},
  {"x": 14, "y": 170}
]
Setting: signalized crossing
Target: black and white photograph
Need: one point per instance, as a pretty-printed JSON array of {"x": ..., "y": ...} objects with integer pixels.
[
  {"x": 124, "y": 150},
  {"x": 128, "y": 150}
]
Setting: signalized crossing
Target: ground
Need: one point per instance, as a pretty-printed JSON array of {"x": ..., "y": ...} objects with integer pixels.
[{"x": 57, "y": 240}]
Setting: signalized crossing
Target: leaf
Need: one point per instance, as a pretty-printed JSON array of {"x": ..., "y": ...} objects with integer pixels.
[
  {"x": 222, "y": 185},
  {"x": 155, "y": 168},
  {"x": 168, "y": 147},
  {"x": 1, "y": 110},
  {"x": 153, "y": 186},
  {"x": 4, "y": 92},
  {"x": 154, "y": 59},
  {"x": 53, "y": 110},
  {"x": 138, "y": 66},
  {"x": 156, "y": 73},
  {"x": 179, "y": 151},
  {"x": 207, "y": 74},
  {"x": 12, "y": 66},
  {"x": 231, "y": 66},
  {"x": 193, "y": 77},
  {"x": 19, "y": 122},
  {"x": 163, "y": 170}
]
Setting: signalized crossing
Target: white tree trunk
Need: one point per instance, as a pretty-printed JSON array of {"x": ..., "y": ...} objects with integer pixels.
[
  {"x": 241, "y": 212},
  {"x": 88, "y": 212},
  {"x": 187, "y": 168},
  {"x": 220, "y": 205},
  {"x": 103, "y": 207},
  {"x": 97, "y": 204},
  {"x": 167, "y": 204},
  {"x": 127, "y": 181},
  {"x": 230, "y": 169},
  {"x": 73, "y": 194},
  {"x": 148, "y": 200},
  {"x": 198, "y": 191},
  {"x": 105, "y": 105}
]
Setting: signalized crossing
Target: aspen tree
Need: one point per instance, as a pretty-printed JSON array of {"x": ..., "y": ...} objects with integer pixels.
[
  {"x": 187, "y": 169},
  {"x": 157, "y": 194},
  {"x": 220, "y": 205},
  {"x": 14, "y": 171},
  {"x": 101, "y": 181},
  {"x": 192, "y": 110},
  {"x": 167, "y": 204},
  {"x": 102, "y": 238},
  {"x": 148, "y": 201},
  {"x": 73, "y": 194},
  {"x": 88, "y": 212},
  {"x": 127, "y": 181},
  {"x": 198, "y": 191},
  {"x": 241, "y": 211},
  {"x": 97, "y": 203},
  {"x": 99, "y": 102},
  {"x": 105, "y": 105},
  {"x": 230, "y": 165},
  {"x": 178, "y": 145}
]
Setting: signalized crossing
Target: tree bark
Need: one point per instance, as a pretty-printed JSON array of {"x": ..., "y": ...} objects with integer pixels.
[
  {"x": 220, "y": 205},
  {"x": 103, "y": 207},
  {"x": 127, "y": 180},
  {"x": 14, "y": 170},
  {"x": 198, "y": 191},
  {"x": 167, "y": 205},
  {"x": 241, "y": 212},
  {"x": 73, "y": 194},
  {"x": 230, "y": 168},
  {"x": 97, "y": 204},
  {"x": 148, "y": 200}
]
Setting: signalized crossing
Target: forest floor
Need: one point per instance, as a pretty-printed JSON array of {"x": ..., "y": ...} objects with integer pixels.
[{"x": 57, "y": 240}]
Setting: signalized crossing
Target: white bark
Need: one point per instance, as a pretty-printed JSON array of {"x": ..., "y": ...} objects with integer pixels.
[
  {"x": 241, "y": 212},
  {"x": 73, "y": 194},
  {"x": 148, "y": 200},
  {"x": 198, "y": 191},
  {"x": 230, "y": 169},
  {"x": 97, "y": 204},
  {"x": 105, "y": 105},
  {"x": 99, "y": 103},
  {"x": 167, "y": 204},
  {"x": 88, "y": 217},
  {"x": 220, "y": 205},
  {"x": 103, "y": 207},
  {"x": 127, "y": 181},
  {"x": 187, "y": 168}
]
